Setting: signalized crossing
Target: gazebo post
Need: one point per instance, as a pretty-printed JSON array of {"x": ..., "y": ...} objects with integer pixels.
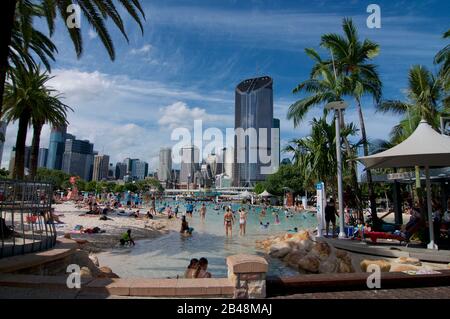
[{"x": 432, "y": 244}]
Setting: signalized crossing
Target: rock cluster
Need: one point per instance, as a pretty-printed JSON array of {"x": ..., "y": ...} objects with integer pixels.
[{"x": 301, "y": 252}]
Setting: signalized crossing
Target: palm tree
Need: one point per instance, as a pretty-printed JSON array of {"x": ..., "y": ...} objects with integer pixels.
[
  {"x": 29, "y": 101},
  {"x": 315, "y": 155},
  {"x": 96, "y": 13},
  {"x": 424, "y": 95},
  {"x": 443, "y": 58},
  {"x": 351, "y": 58}
]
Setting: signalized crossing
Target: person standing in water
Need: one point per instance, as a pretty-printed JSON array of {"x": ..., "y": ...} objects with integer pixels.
[
  {"x": 228, "y": 220},
  {"x": 242, "y": 221},
  {"x": 203, "y": 212}
]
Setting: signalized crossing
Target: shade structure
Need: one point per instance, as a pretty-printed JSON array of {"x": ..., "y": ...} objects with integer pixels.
[
  {"x": 245, "y": 194},
  {"x": 265, "y": 194},
  {"x": 426, "y": 148}
]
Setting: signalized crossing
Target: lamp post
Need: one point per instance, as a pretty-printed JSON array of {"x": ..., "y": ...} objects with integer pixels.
[{"x": 338, "y": 107}]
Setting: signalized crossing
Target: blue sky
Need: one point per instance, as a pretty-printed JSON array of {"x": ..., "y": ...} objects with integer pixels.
[{"x": 194, "y": 53}]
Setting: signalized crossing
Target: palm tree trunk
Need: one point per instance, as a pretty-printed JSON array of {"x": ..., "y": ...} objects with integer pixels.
[
  {"x": 7, "y": 23},
  {"x": 353, "y": 174},
  {"x": 37, "y": 128},
  {"x": 373, "y": 204},
  {"x": 19, "y": 163}
]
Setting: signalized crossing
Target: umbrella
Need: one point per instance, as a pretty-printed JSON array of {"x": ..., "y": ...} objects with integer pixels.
[{"x": 425, "y": 147}]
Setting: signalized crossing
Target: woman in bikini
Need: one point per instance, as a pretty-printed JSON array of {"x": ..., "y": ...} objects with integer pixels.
[
  {"x": 228, "y": 220},
  {"x": 242, "y": 221}
]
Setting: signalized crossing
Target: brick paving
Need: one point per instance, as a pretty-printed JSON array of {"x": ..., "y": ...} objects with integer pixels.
[{"x": 407, "y": 293}]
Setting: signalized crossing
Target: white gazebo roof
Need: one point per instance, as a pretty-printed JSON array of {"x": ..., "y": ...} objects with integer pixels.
[
  {"x": 425, "y": 147},
  {"x": 265, "y": 194}
]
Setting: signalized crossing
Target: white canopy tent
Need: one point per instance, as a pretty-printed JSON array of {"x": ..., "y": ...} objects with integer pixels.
[
  {"x": 426, "y": 148},
  {"x": 265, "y": 194},
  {"x": 245, "y": 194}
]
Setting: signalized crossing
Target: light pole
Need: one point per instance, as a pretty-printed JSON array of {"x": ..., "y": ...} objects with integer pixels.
[{"x": 338, "y": 107}]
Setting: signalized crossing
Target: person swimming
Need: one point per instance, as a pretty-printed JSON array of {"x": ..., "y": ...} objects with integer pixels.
[
  {"x": 277, "y": 219},
  {"x": 264, "y": 226}
]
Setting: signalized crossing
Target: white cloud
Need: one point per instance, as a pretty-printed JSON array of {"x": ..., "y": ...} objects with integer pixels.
[
  {"x": 144, "y": 50},
  {"x": 92, "y": 34}
]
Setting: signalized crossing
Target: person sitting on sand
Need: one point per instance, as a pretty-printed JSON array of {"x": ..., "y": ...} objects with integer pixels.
[
  {"x": 185, "y": 229},
  {"x": 191, "y": 269},
  {"x": 202, "y": 269},
  {"x": 126, "y": 239},
  {"x": 149, "y": 215}
]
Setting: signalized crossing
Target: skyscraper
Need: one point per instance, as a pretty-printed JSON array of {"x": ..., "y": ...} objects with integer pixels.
[
  {"x": 78, "y": 158},
  {"x": 190, "y": 156},
  {"x": 139, "y": 170},
  {"x": 42, "y": 158},
  {"x": 101, "y": 167},
  {"x": 253, "y": 112},
  {"x": 276, "y": 126},
  {"x": 3, "y": 126},
  {"x": 56, "y": 147},
  {"x": 165, "y": 165},
  {"x": 121, "y": 170}
]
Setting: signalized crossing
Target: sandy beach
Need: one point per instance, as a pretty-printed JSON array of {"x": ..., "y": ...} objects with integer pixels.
[{"x": 114, "y": 227}]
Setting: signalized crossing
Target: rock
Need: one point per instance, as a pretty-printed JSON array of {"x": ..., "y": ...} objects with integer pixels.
[
  {"x": 329, "y": 266},
  {"x": 403, "y": 267},
  {"x": 321, "y": 250},
  {"x": 85, "y": 272},
  {"x": 106, "y": 272},
  {"x": 301, "y": 235},
  {"x": 384, "y": 265},
  {"x": 94, "y": 259},
  {"x": 408, "y": 261},
  {"x": 309, "y": 263},
  {"x": 293, "y": 258},
  {"x": 305, "y": 244},
  {"x": 345, "y": 266},
  {"x": 341, "y": 253},
  {"x": 280, "y": 250}
]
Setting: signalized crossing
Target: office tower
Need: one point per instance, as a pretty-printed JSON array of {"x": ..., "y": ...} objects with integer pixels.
[
  {"x": 190, "y": 156},
  {"x": 56, "y": 147},
  {"x": 165, "y": 165},
  {"x": 215, "y": 164},
  {"x": 78, "y": 158},
  {"x": 3, "y": 126},
  {"x": 101, "y": 167},
  {"x": 253, "y": 112},
  {"x": 139, "y": 170},
  {"x": 228, "y": 162},
  {"x": 276, "y": 126},
  {"x": 42, "y": 159},
  {"x": 121, "y": 170},
  {"x": 111, "y": 171}
]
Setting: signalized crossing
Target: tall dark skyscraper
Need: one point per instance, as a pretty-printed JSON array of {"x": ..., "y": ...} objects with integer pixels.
[
  {"x": 78, "y": 158},
  {"x": 253, "y": 110},
  {"x": 58, "y": 137}
]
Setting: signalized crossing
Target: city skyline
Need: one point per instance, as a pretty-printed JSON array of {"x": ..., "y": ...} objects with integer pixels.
[{"x": 159, "y": 83}]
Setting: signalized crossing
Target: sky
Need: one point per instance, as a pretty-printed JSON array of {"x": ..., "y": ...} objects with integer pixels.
[{"x": 192, "y": 55}]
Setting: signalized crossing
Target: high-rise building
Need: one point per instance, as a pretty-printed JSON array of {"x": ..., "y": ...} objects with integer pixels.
[
  {"x": 3, "y": 126},
  {"x": 101, "y": 167},
  {"x": 78, "y": 158},
  {"x": 165, "y": 164},
  {"x": 253, "y": 112},
  {"x": 56, "y": 147},
  {"x": 190, "y": 156},
  {"x": 111, "y": 171},
  {"x": 139, "y": 170},
  {"x": 276, "y": 126},
  {"x": 215, "y": 164},
  {"x": 12, "y": 160},
  {"x": 43, "y": 155},
  {"x": 121, "y": 170}
]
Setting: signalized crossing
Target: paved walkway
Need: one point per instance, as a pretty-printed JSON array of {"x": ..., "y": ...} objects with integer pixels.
[{"x": 409, "y": 293}]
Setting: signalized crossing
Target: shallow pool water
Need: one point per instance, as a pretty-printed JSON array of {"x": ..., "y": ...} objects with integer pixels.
[{"x": 169, "y": 255}]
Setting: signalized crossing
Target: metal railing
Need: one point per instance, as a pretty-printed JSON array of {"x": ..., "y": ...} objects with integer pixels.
[{"x": 26, "y": 218}]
